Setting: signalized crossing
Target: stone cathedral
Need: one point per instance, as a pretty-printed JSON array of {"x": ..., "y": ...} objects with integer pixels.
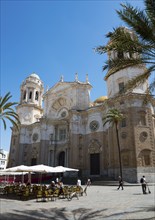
[{"x": 68, "y": 129}]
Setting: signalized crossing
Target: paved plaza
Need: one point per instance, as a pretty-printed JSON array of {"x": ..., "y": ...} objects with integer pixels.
[{"x": 101, "y": 202}]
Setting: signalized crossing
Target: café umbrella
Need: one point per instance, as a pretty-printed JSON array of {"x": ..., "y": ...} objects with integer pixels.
[
  {"x": 41, "y": 168},
  {"x": 19, "y": 169},
  {"x": 7, "y": 175},
  {"x": 65, "y": 169}
]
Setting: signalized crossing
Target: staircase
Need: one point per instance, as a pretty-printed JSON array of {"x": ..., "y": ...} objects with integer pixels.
[{"x": 104, "y": 181}]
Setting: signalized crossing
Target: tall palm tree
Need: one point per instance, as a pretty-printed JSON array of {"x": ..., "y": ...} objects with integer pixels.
[
  {"x": 7, "y": 112},
  {"x": 114, "y": 116},
  {"x": 139, "y": 41}
]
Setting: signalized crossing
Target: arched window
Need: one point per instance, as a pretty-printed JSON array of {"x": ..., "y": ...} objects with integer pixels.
[
  {"x": 62, "y": 134},
  {"x": 142, "y": 118},
  {"x": 145, "y": 157},
  {"x": 30, "y": 95},
  {"x": 130, "y": 54},
  {"x": 14, "y": 141},
  {"x": 120, "y": 54},
  {"x": 62, "y": 158},
  {"x": 121, "y": 87},
  {"x": 123, "y": 123},
  {"x": 37, "y": 96},
  {"x": 24, "y": 96}
]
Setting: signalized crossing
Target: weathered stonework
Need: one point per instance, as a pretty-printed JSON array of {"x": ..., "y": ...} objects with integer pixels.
[{"x": 69, "y": 130}]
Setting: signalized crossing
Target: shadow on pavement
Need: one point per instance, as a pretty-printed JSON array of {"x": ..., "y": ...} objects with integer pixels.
[
  {"x": 64, "y": 214},
  {"x": 53, "y": 214}
]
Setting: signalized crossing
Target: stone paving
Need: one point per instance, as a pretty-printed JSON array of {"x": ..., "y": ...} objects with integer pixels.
[{"x": 101, "y": 202}]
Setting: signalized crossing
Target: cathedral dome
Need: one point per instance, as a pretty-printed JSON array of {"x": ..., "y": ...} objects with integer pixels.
[
  {"x": 101, "y": 99},
  {"x": 35, "y": 75}
]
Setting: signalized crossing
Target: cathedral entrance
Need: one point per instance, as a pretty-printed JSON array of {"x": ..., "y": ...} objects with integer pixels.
[
  {"x": 33, "y": 161},
  {"x": 95, "y": 164},
  {"x": 94, "y": 151},
  {"x": 61, "y": 159}
]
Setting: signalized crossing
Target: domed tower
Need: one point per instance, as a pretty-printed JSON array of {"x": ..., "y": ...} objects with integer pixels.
[
  {"x": 116, "y": 82},
  {"x": 136, "y": 130},
  {"x": 30, "y": 107}
]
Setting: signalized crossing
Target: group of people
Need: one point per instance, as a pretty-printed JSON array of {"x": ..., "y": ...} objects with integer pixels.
[
  {"x": 56, "y": 184},
  {"x": 59, "y": 184},
  {"x": 142, "y": 181},
  {"x": 88, "y": 182}
]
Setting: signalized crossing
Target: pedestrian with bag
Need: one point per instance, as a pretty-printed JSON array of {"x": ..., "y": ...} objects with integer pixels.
[{"x": 143, "y": 184}]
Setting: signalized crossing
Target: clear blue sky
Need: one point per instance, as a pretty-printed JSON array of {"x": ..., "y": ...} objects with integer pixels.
[{"x": 54, "y": 38}]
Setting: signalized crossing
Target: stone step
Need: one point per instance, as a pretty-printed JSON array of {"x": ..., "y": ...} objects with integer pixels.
[
  {"x": 112, "y": 183},
  {"x": 105, "y": 183}
]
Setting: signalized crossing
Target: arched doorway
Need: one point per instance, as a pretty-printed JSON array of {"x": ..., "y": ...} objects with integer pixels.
[
  {"x": 94, "y": 152},
  {"x": 144, "y": 158},
  {"x": 33, "y": 161},
  {"x": 61, "y": 159},
  {"x": 95, "y": 164}
]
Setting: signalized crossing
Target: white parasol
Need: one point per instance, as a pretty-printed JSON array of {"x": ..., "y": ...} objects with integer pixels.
[
  {"x": 65, "y": 169},
  {"x": 41, "y": 168},
  {"x": 21, "y": 168}
]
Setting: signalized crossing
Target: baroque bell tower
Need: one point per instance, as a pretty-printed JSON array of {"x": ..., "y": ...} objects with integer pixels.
[
  {"x": 30, "y": 106},
  {"x": 116, "y": 82},
  {"x": 136, "y": 130}
]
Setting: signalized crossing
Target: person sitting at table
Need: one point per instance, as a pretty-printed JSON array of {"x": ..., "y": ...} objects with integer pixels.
[
  {"x": 52, "y": 186},
  {"x": 60, "y": 186}
]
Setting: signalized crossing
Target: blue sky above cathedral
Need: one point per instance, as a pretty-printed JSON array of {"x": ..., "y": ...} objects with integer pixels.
[{"x": 54, "y": 38}]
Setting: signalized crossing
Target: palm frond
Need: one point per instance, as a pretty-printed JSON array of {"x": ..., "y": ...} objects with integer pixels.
[
  {"x": 8, "y": 105},
  {"x": 4, "y": 123},
  {"x": 117, "y": 64},
  {"x": 13, "y": 122},
  {"x": 150, "y": 10},
  {"x": 137, "y": 20},
  {"x": 137, "y": 44},
  {"x": 12, "y": 114},
  {"x": 139, "y": 80},
  {"x": 4, "y": 99},
  {"x": 113, "y": 116},
  {"x": 6, "y": 111}
]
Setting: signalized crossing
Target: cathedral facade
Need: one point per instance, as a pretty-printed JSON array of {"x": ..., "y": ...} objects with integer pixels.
[{"x": 68, "y": 129}]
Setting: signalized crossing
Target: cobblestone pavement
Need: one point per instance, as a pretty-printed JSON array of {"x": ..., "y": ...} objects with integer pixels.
[{"x": 101, "y": 202}]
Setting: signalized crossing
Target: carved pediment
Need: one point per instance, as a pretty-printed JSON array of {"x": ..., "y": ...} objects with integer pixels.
[
  {"x": 59, "y": 103},
  {"x": 58, "y": 88},
  {"x": 94, "y": 147}
]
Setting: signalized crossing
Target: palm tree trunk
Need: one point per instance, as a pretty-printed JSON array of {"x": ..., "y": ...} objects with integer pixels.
[{"x": 119, "y": 152}]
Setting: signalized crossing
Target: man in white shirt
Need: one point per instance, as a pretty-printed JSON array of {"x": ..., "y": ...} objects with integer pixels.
[
  {"x": 78, "y": 182},
  {"x": 143, "y": 183}
]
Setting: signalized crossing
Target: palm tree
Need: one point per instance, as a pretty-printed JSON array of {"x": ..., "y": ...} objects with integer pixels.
[
  {"x": 139, "y": 43},
  {"x": 114, "y": 116},
  {"x": 7, "y": 112}
]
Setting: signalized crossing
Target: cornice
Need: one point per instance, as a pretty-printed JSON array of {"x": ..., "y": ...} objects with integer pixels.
[
  {"x": 70, "y": 85},
  {"x": 128, "y": 96},
  {"x": 111, "y": 71},
  {"x": 29, "y": 105}
]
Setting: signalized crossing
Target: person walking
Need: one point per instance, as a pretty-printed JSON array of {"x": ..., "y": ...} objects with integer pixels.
[
  {"x": 120, "y": 181},
  {"x": 78, "y": 182},
  {"x": 88, "y": 182},
  {"x": 143, "y": 184}
]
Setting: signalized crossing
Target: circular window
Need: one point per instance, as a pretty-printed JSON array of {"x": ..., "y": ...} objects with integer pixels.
[
  {"x": 35, "y": 137},
  {"x": 63, "y": 114},
  {"x": 143, "y": 136},
  {"x": 123, "y": 135},
  {"x": 94, "y": 125}
]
